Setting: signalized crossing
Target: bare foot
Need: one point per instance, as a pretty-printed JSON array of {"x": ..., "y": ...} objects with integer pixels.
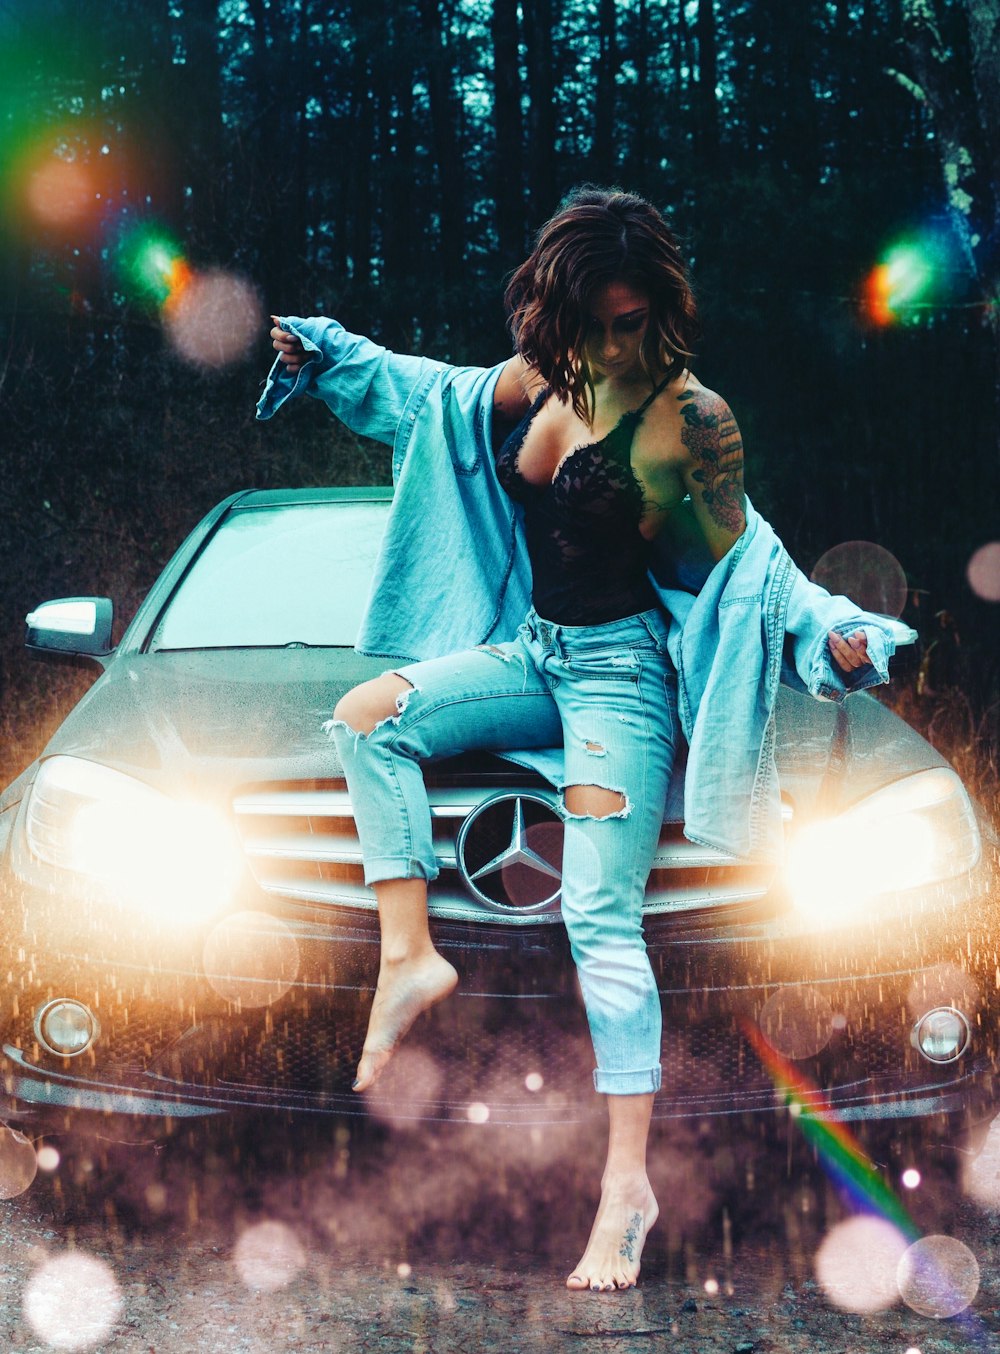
[
  {"x": 626, "y": 1213},
  {"x": 405, "y": 988}
]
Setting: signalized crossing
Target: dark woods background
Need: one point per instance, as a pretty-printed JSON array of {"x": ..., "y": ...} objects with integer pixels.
[{"x": 388, "y": 163}]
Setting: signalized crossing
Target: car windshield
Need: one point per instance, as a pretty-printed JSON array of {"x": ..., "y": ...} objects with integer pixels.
[{"x": 276, "y": 576}]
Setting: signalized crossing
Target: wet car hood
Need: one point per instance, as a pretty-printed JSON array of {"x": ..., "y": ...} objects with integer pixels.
[{"x": 221, "y": 717}]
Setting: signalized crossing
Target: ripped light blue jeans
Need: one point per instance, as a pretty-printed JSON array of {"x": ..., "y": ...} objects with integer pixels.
[{"x": 608, "y": 693}]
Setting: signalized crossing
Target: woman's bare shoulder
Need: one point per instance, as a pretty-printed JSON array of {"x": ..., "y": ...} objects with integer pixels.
[{"x": 517, "y": 385}]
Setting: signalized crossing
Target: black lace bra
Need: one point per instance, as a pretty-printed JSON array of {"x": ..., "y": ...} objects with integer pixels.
[{"x": 588, "y": 561}]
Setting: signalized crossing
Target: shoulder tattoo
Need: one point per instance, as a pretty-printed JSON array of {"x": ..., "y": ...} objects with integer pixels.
[{"x": 713, "y": 440}]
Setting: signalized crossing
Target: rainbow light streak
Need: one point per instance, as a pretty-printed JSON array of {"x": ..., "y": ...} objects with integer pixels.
[
  {"x": 838, "y": 1150},
  {"x": 842, "y": 1158}
]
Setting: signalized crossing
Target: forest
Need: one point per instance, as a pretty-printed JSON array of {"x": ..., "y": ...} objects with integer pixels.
[{"x": 172, "y": 171}]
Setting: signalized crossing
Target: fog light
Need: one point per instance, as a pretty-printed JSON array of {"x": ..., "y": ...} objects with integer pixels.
[
  {"x": 66, "y": 1027},
  {"x": 942, "y": 1035}
]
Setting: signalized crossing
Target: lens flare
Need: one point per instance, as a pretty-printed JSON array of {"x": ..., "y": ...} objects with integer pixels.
[
  {"x": 152, "y": 265},
  {"x": 983, "y": 572},
  {"x": 251, "y": 958},
  {"x": 18, "y": 1162},
  {"x": 60, "y": 192},
  {"x": 900, "y": 282},
  {"x": 871, "y": 576},
  {"x": 48, "y": 1158},
  {"x": 212, "y": 319},
  {"x": 857, "y": 1261},
  {"x": 268, "y": 1256},
  {"x": 938, "y": 1276},
  {"x": 797, "y": 1022},
  {"x": 408, "y": 1090},
  {"x": 72, "y": 1301}
]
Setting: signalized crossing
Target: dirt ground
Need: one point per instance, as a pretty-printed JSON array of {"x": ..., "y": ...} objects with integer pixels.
[{"x": 437, "y": 1238}]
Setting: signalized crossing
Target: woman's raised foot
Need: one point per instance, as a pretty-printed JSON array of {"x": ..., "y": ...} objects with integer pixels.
[{"x": 406, "y": 987}]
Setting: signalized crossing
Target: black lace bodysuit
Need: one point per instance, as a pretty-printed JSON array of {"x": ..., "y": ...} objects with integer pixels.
[{"x": 588, "y": 560}]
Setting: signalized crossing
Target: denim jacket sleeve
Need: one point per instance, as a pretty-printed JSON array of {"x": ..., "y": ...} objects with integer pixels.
[
  {"x": 365, "y": 385},
  {"x": 452, "y": 532}
]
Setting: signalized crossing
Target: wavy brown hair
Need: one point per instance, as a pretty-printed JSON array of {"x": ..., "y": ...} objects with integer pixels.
[{"x": 599, "y": 236}]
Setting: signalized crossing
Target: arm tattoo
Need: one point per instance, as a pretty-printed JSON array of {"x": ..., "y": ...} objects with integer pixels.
[
  {"x": 713, "y": 440},
  {"x": 627, "y": 1248}
]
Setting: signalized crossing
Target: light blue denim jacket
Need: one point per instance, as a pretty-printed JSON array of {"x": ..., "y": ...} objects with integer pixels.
[{"x": 454, "y": 572}]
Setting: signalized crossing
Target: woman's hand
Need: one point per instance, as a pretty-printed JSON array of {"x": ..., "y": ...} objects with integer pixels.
[
  {"x": 849, "y": 651},
  {"x": 289, "y": 349}
]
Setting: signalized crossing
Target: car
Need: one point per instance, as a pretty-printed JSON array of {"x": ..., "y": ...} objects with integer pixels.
[{"x": 187, "y": 932}]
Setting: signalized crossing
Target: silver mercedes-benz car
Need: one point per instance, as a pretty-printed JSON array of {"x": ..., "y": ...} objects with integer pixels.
[{"x": 186, "y": 930}]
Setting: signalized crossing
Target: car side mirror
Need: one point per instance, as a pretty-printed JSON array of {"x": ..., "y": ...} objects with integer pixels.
[{"x": 78, "y": 626}]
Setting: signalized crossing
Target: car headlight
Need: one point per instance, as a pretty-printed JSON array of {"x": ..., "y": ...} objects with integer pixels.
[
  {"x": 918, "y": 831},
  {"x": 170, "y": 857}
]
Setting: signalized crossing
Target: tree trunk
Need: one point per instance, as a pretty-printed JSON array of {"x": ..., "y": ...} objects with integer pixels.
[
  {"x": 708, "y": 79},
  {"x": 447, "y": 146},
  {"x": 543, "y": 181},
  {"x": 604, "y": 101},
  {"x": 508, "y": 169}
]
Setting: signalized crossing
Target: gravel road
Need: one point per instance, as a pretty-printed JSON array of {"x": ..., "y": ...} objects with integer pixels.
[{"x": 451, "y": 1239}]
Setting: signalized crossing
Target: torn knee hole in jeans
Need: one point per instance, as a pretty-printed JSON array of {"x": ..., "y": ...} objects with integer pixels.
[
  {"x": 595, "y": 749},
  {"x": 402, "y": 700},
  {"x": 613, "y": 803}
]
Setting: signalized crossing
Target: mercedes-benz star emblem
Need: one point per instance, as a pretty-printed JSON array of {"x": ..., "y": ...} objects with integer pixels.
[{"x": 509, "y": 852}]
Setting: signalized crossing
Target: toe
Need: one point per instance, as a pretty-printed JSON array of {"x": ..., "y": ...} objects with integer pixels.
[{"x": 577, "y": 1281}]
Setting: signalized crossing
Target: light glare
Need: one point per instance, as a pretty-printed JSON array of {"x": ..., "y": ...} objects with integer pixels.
[
  {"x": 72, "y": 1301},
  {"x": 938, "y": 1276},
  {"x": 856, "y": 1264},
  {"x": 268, "y": 1256}
]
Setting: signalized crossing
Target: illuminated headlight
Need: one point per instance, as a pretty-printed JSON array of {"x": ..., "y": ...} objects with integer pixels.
[
  {"x": 918, "y": 831},
  {"x": 170, "y": 857}
]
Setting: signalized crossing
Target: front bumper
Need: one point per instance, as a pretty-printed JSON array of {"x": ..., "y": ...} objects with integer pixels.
[{"x": 178, "y": 1042}]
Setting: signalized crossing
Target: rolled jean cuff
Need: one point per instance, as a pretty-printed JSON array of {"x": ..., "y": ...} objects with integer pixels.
[
  {"x": 627, "y": 1083},
  {"x": 380, "y": 868}
]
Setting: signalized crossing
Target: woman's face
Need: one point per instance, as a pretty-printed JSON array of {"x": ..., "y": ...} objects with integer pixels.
[{"x": 617, "y": 320}]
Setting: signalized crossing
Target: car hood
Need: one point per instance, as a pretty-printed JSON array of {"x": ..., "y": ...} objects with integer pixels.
[{"x": 223, "y": 717}]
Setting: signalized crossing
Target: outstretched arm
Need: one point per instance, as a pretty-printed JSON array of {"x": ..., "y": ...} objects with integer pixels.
[{"x": 289, "y": 349}]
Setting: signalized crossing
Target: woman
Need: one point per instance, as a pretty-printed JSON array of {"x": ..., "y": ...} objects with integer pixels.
[{"x": 603, "y": 439}]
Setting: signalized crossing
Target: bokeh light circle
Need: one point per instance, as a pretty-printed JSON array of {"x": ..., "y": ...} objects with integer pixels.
[
  {"x": 18, "y": 1162},
  {"x": 983, "y": 572},
  {"x": 408, "y": 1090},
  {"x": 942, "y": 985},
  {"x": 72, "y": 1301},
  {"x": 871, "y": 576},
  {"x": 213, "y": 319},
  {"x": 268, "y": 1256},
  {"x": 48, "y": 1158},
  {"x": 938, "y": 1276},
  {"x": 478, "y": 1113},
  {"x": 534, "y": 1081},
  {"x": 251, "y": 958},
  {"x": 797, "y": 1021},
  {"x": 857, "y": 1262},
  {"x": 60, "y": 192}
]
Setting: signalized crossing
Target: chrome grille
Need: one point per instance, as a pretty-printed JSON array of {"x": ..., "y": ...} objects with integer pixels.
[{"x": 302, "y": 844}]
